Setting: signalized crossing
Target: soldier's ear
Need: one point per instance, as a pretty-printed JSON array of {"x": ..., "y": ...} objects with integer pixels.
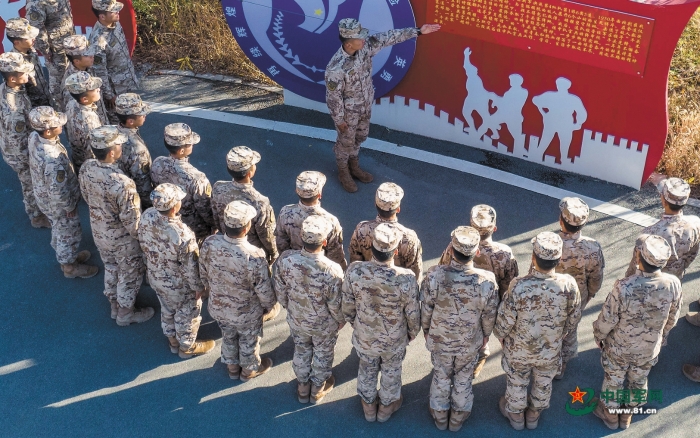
[
  {"x": 495, "y": 228},
  {"x": 398, "y": 209},
  {"x": 324, "y": 243}
]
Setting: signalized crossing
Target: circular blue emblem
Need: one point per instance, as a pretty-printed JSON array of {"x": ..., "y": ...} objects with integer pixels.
[{"x": 292, "y": 41}]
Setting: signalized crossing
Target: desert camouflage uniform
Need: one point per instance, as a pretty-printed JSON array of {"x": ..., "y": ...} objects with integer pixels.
[
  {"x": 81, "y": 120},
  {"x": 308, "y": 286},
  {"x": 380, "y": 301},
  {"x": 38, "y": 91},
  {"x": 350, "y": 92},
  {"x": 14, "y": 137},
  {"x": 54, "y": 19},
  {"x": 171, "y": 255},
  {"x": 288, "y": 230},
  {"x": 682, "y": 232},
  {"x": 135, "y": 162},
  {"x": 633, "y": 324},
  {"x": 66, "y": 96},
  {"x": 238, "y": 277},
  {"x": 538, "y": 310},
  {"x": 459, "y": 305},
  {"x": 57, "y": 193},
  {"x": 196, "y": 207},
  {"x": 262, "y": 231},
  {"x": 410, "y": 254},
  {"x": 114, "y": 217}
]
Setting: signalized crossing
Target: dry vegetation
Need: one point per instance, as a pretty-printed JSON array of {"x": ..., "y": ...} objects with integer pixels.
[{"x": 193, "y": 35}]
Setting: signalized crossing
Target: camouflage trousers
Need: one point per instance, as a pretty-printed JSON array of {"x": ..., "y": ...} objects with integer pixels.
[
  {"x": 240, "y": 345},
  {"x": 313, "y": 356},
  {"x": 56, "y": 67},
  {"x": 569, "y": 345},
  {"x": 518, "y": 376},
  {"x": 390, "y": 364},
  {"x": 617, "y": 370},
  {"x": 452, "y": 382},
  {"x": 348, "y": 143},
  {"x": 21, "y": 167},
  {"x": 179, "y": 314},
  {"x": 124, "y": 269},
  {"x": 66, "y": 234},
  {"x": 79, "y": 155}
]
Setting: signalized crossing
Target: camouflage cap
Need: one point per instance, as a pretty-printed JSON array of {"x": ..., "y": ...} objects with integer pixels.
[
  {"x": 82, "y": 81},
  {"x": 107, "y": 5},
  {"x": 574, "y": 211},
  {"x": 241, "y": 158},
  {"x": 466, "y": 240},
  {"x": 45, "y": 117},
  {"x": 130, "y": 104},
  {"x": 386, "y": 237},
  {"x": 675, "y": 190},
  {"x": 351, "y": 28},
  {"x": 310, "y": 183},
  {"x": 180, "y": 134},
  {"x": 315, "y": 229},
  {"x": 547, "y": 246},
  {"x": 13, "y": 62},
  {"x": 238, "y": 214},
  {"x": 165, "y": 196},
  {"x": 388, "y": 196},
  {"x": 20, "y": 28},
  {"x": 106, "y": 136},
  {"x": 78, "y": 45},
  {"x": 483, "y": 217},
  {"x": 655, "y": 250}
]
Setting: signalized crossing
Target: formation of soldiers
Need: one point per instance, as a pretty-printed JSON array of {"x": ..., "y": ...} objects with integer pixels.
[{"x": 225, "y": 244}]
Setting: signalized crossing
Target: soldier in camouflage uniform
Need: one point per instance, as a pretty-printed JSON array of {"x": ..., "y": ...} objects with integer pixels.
[
  {"x": 80, "y": 58},
  {"x": 22, "y": 35},
  {"x": 309, "y": 186},
  {"x": 135, "y": 161},
  {"x": 54, "y": 19},
  {"x": 14, "y": 129},
  {"x": 380, "y": 302},
  {"x": 176, "y": 169},
  {"x": 350, "y": 92},
  {"x": 388, "y": 203},
  {"x": 112, "y": 55},
  {"x": 582, "y": 258},
  {"x": 56, "y": 190},
  {"x": 459, "y": 305},
  {"x": 114, "y": 216},
  {"x": 238, "y": 277},
  {"x": 537, "y": 311},
  {"x": 172, "y": 255},
  {"x": 493, "y": 256},
  {"x": 634, "y": 324},
  {"x": 307, "y": 284},
  {"x": 82, "y": 114}
]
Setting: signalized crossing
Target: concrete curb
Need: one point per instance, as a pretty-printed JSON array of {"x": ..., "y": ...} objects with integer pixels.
[{"x": 219, "y": 78}]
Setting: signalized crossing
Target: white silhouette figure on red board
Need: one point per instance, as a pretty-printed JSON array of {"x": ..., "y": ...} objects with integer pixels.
[
  {"x": 477, "y": 97},
  {"x": 509, "y": 111}
]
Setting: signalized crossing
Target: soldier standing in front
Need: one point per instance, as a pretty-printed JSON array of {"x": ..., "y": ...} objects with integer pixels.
[
  {"x": 81, "y": 57},
  {"x": 135, "y": 161},
  {"x": 380, "y": 302},
  {"x": 82, "y": 114},
  {"x": 536, "y": 313},
  {"x": 22, "y": 36},
  {"x": 350, "y": 92}
]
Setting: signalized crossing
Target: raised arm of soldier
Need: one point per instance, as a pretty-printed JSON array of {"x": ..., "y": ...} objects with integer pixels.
[{"x": 377, "y": 42}]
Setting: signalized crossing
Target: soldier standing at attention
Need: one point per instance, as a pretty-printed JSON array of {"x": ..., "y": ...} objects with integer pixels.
[
  {"x": 22, "y": 36},
  {"x": 493, "y": 256},
  {"x": 135, "y": 161},
  {"x": 172, "y": 255},
  {"x": 459, "y": 305},
  {"x": 56, "y": 190},
  {"x": 114, "y": 216},
  {"x": 14, "y": 129},
  {"x": 535, "y": 315},
  {"x": 307, "y": 284},
  {"x": 112, "y": 55},
  {"x": 350, "y": 92},
  {"x": 387, "y": 200},
  {"x": 238, "y": 277},
  {"x": 54, "y": 19},
  {"x": 309, "y": 186},
  {"x": 582, "y": 258},
  {"x": 634, "y": 324},
  {"x": 81, "y": 57},
  {"x": 82, "y": 114},
  {"x": 176, "y": 169},
  {"x": 380, "y": 302}
]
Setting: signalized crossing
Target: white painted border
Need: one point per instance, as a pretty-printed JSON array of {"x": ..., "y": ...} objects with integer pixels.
[{"x": 410, "y": 153}]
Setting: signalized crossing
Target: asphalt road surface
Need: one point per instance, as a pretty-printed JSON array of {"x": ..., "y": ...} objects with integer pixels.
[{"x": 66, "y": 369}]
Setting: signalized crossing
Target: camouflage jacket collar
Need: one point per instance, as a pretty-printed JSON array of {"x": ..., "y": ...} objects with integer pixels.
[
  {"x": 381, "y": 219},
  {"x": 242, "y": 185},
  {"x": 649, "y": 274},
  {"x": 311, "y": 208},
  {"x": 50, "y": 141},
  {"x": 240, "y": 241},
  {"x": 28, "y": 53},
  {"x": 124, "y": 129},
  {"x": 570, "y": 236},
  {"x": 113, "y": 166},
  {"x": 389, "y": 262},
  {"x": 92, "y": 106},
  {"x": 672, "y": 217},
  {"x": 539, "y": 274},
  {"x": 311, "y": 255},
  {"x": 466, "y": 267}
]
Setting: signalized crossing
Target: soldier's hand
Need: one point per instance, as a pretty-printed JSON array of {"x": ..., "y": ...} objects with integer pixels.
[
  {"x": 486, "y": 341},
  {"x": 343, "y": 127},
  {"x": 72, "y": 214},
  {"x": 501, "y": 341},
  {"x": 429, "y": 28},
  {"x": 341, "y": 325},
  {"x": 411, "y": 338},
  {"x": 198, "y": 294}
]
